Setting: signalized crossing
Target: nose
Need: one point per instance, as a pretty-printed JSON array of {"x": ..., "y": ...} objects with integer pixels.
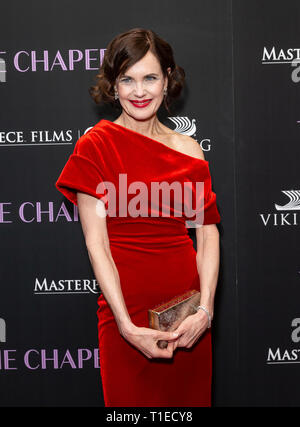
[{"x": 139, "y": 90}]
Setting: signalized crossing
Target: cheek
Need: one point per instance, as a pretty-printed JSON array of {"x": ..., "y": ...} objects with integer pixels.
[
  {"x": 124, "y": 91},
  {"x": 156, "y": 90}
]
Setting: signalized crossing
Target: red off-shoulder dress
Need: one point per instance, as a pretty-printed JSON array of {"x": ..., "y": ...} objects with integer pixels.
[{"x": 155, "y": 258}]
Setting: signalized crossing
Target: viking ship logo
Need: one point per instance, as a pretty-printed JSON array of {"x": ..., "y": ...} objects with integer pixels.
[
  {"x": 2, "y": 69},
  {"x": 294, "y": 202},
  {"x": 184, "y": 125},
  {"x": 2, "y": 330}
]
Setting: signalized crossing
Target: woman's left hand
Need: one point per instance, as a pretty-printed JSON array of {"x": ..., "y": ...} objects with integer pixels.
[{"x": 190, "y": 329}]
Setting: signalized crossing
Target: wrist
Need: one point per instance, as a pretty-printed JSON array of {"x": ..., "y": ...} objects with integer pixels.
[
  {"x": 125, "y": 327},
  {"x": 207, "y": 301},
  {"x": 203, "y": 309}
]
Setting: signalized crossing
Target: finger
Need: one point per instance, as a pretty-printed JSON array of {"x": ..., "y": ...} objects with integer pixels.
[
  {"x": 167, "y": 336},
  {"x": 166, "y": 352},
  {"x": 179, "y": 343},
  {"x": 171, "y": 345},
  {"x": 147, "y": 355}
]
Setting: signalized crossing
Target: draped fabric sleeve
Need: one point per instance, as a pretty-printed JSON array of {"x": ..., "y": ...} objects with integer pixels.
[
  {"x": 82, "y": 171},
  {"x": 211, "y": 213},
  {"x": 204, "y": 200}
]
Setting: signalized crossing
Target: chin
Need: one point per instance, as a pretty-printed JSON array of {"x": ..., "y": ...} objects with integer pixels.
[{"x": 142, "y": 115}]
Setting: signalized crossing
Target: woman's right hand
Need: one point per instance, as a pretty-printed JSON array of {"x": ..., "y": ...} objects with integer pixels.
[{"x": 145, "y": 340}]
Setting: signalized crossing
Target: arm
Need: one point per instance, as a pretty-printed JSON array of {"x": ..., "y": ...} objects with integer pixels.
[
  {"x": 207, "y": 258},
  {"x": 97, "y": 242},
  {"x": 207, "y": 244},
  {"x": 208, "y": 262},
  {"x": 106, "y": 273}
]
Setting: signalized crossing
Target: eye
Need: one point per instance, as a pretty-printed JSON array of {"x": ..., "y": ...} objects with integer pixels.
[
  {"x": 125, "y": 80},
  {"x": 150, "y": 78}
]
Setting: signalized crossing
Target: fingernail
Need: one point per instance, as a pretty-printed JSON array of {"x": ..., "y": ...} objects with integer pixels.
[{"x": 175, "y": 334}]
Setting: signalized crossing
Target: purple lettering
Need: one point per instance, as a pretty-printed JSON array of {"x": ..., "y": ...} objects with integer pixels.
[
  {"x": 44, "y": 359},
  {"x": 60, "y": 62},
  {"x": 96, "y": 358},
  {"x": 16, "y": 61},
  {"x": 26, "y": 359},
  {"x": 81, "y": 358},
  {"x": 63, "y": 211},
  {"x": 68, "y": 359},
  {"x": 21, "y": 211},
  {"x": 2, "y": 212},
  {"x": 72, "y": 58},
  {"x": 88, "y": 59},
  {"x": 7, "y": 360},
  {"x": 45, "y": 60},
  {"x": 39, "y": 211}
]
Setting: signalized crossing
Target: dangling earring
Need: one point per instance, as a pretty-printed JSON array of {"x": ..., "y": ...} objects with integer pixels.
[
  {"x": 116, "y": 95},
  {"x": 165, "y": 92}
]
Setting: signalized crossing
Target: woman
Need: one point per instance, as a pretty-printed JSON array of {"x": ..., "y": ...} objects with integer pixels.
[{"x": 140, "y": 261}]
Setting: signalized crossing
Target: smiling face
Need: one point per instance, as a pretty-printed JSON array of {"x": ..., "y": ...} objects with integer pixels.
[{"x": 141, "y": 88}]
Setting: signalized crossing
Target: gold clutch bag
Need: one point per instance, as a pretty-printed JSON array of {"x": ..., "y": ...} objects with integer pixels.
[{"x": 167, "y": 316}]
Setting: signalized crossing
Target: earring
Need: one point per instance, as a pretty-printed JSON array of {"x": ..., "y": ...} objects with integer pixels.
[
  {"x": 116, "y": 95},
  {"x": 165, "y": 91}
]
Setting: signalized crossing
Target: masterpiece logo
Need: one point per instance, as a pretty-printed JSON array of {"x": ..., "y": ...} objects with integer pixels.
[
  {"x": 271, "y": 56},
  {"x": 274, "y": 55},
  {"x": 24, "y": 61},
  {"x": 284, "y": 219},
  {"x": 276, "y": 356},
  {"x": 66, "y": 286}
]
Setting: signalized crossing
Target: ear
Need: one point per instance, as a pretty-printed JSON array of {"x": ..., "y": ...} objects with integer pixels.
[
  {"x": 168, "y": 71},
  {"x": 115, "y": 84}
]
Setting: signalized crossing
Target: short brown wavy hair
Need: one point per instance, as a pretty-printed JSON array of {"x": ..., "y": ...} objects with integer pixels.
[{"x": 125, "y": 50}]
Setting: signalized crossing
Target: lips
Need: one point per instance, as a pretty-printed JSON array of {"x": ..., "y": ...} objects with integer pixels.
[{"x": 140, "y": 104}]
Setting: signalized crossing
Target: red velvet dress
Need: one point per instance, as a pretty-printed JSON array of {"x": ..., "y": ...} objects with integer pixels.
[{"x": 155, "y": 259}]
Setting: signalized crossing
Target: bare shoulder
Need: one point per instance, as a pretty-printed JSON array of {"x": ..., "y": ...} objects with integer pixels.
[{"x": 187, "y": 145}]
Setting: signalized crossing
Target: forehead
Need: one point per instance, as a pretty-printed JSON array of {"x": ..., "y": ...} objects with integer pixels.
[{"x": 148, "y": 64}]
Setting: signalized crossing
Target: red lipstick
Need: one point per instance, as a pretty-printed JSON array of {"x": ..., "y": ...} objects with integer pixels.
[{"x": 140, "y": 104}]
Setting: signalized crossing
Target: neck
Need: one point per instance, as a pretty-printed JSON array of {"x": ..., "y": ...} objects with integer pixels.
[{"x": 149, "y": 127}]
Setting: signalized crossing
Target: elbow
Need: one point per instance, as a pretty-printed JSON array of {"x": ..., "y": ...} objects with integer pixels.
[
  {"x": 211, "y": 230},
  {"x": 209, "y": 234},
  {"x": 95, "y": 246}
]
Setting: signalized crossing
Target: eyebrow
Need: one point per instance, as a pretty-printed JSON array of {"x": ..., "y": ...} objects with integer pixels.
[{"x": 150, "y": 74}]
